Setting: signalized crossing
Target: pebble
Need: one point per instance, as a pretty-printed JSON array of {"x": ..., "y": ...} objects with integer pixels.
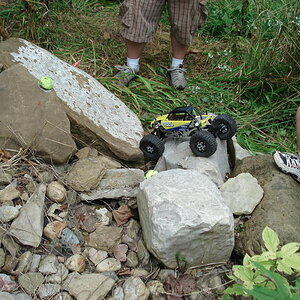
[
  {"x": 56, "y": 192},
  {"x": 76, "y": 263},
  {"x": 48, "y": 264},
  {"x": 109, "y": 265},
  {"x": 48, "y": 290},
  {"x": 8, "y": 213}
]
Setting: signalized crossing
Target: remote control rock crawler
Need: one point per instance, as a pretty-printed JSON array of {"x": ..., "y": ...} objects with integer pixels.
[{"x": 188, "y": 122}]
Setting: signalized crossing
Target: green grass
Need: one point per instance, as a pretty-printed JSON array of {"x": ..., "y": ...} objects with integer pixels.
[{"x": 244, "y": 62}]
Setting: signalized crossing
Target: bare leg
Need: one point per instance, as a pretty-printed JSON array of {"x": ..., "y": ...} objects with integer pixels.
[
  {"x": 134, "y": 50},
  {"x": 298, "y": 128},
  {"x": 178, "y": 50}
]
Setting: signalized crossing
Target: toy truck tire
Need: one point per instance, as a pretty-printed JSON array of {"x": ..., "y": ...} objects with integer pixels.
[
  {"x": 224, "y": 126},
  {"x": 152, "y": 147},
  {"x": 203, "y": 144}
]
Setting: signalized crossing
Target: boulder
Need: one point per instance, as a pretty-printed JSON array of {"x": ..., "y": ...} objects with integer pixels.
[
  {"x": 183, "y": 215},
  {"x": 97, "y": 116},
  {"x": 279, "y": 209},
  {"x": 32, "y": 118},
  {"x": 178, "y": 154}
]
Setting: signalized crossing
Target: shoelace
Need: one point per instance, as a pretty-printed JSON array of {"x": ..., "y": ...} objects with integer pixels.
[
  {"x": 126, "y": 69},
  {"x": 293, "y": 162},
  {"x": 183, "y": 70}
]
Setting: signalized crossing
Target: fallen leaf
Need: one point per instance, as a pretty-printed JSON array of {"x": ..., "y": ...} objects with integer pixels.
[
  {"x": 187, "y": 283},
  {"x": 76, "y": 64},
  {"x": 124, "y": 272},
  {"x": 173, "y": 288},
  {"x": 122, "y": 215},
  {"x": 5, "y": 155}
]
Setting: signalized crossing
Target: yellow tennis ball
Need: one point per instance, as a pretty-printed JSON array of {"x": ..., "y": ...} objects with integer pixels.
[
  {"x": 150, "y": 174},
  {"x": 46, "y": 83}
]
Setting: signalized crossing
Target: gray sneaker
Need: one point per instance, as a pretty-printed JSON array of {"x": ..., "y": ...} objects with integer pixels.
[
  {"x": 125, "y": 74},
  {"x": 178, "y": 80}
]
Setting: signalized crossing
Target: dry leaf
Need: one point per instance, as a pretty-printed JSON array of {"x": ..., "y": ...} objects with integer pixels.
[
  {"x": 122, "y": 214},
  {"x": 5, "y": 155},
  {"x": 124, "y": 272}
]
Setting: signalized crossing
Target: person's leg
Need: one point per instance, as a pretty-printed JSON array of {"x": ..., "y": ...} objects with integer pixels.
[
  {"x": 185, "y": 18},
  {"x": 298, "y": 129},
  {"x": 139, "y": 20}
]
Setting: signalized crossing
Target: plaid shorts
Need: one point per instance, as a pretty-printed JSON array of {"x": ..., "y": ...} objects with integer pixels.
[{"x": 140, "y": 18}]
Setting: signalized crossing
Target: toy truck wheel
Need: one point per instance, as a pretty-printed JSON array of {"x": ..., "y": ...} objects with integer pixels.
[
  {"x": 225, "y": 126},
  {"x": 152, "y": 147},
  {"x": 203, "y": 144}
]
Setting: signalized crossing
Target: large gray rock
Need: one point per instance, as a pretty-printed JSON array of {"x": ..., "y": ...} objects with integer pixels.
[
  {"x": 178, "y": 154},
  {"x": 279, "y": 209},
  {"x": 28, "y": 226},
  {"x": 97, "y": 115},
  {"x": 116, "y": 183},
  {"x": 182, "y": 213},
  {"x": 30, "y": 117}
]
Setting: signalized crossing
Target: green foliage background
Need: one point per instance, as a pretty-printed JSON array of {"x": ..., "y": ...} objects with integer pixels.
[{"x": 244, "y": 61}]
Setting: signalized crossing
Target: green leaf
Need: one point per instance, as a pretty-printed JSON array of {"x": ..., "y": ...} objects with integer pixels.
[
  {"x": 271, "y": 239},
  {"x": 288, "y": 249},
  {"x": 263, "y": 293},
  {"x": 292, "y": 261},
  {"x": 282, "y": 266},
  {"x": 235, "y": 289},
  {"x": 282, "y": 290},
  {"x": 295, "y": 297},
  {"x": 226, "y": 297}
]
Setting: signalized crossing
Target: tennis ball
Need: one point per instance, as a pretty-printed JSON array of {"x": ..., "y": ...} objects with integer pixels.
[
  {"x": 150, "y": 174},
  {"x": 46, "y": 83}
]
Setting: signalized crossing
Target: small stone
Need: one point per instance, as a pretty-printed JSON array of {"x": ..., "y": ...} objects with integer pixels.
[
  {"x": 120, "y": 252},
  {"x": 7, "y": 284},
  {"x": 36, "y": 258},
  {"x": 5, "y": 178},
  {"x": 118, "y": 293},
  {"x": 132, "y": 259},
  {"x": 109, "y": 265},
  {"x": 8, "y": 213},
  {"x": 86, "y": 152},
  {"x": 6, "y": 296},
  {"x": 62, "y": 296},
  {"x": 69, "y": 238},
  {"x": 164, "y": 273},
  {"x": 30, "y": 282},
  {"x": 24, "y": 262},
  {"x": 60, "y": 276},
  {"x": 2, "y": 257},
  {"x": 48, "y": 290},
  {"x": 139, "y": 273},
  {"x": 96, "y": 256},
  {"x": 156, "y": 288},
  {"x": 143, "y": 253},
  {"x": 48, "y": 264},
  {"x": 53, "y": 230},
  {"x": 56, "y": 192},
  {"x": 9, "y": 193},
  {"x": 135, "y": 289},
  {"x": 10, "y": 264},
  {"x": 104, "y": 215},
  {"x": 76, "y": 263},
  {"x": 45, "y": 177}
]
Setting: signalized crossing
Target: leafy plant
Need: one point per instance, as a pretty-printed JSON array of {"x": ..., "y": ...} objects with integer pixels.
[{"x": 259, "y": 275}]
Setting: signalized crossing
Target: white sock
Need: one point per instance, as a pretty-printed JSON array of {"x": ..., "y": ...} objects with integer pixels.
[
  {"x": 133, "y": 63},
  {"x": 176, "y": 62}
]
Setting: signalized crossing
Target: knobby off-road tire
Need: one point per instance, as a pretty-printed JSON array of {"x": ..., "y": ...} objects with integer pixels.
[
  {"x": 203, "y": 144},
  {"x": 224, "y": 126},
  {"x": 152, "y": 147}
]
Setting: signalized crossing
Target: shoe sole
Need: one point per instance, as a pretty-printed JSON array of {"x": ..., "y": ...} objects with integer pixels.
[{"x": 284, "y": 169}]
